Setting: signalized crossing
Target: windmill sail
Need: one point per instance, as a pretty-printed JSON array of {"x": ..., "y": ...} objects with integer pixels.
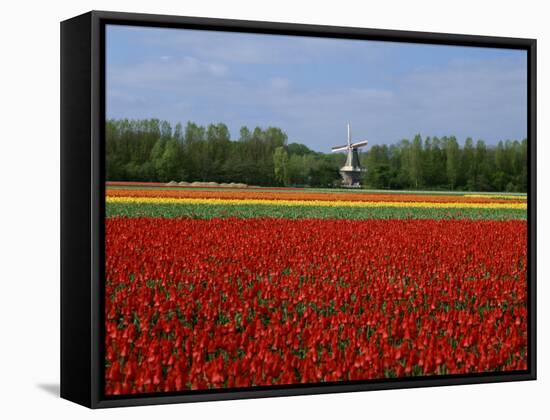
[
  {"x": 360, "y": 143},
  {"x": 337, "y": 148}
]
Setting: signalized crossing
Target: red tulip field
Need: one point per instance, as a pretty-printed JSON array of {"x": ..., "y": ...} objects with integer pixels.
[{"x": 206, "y": 290}]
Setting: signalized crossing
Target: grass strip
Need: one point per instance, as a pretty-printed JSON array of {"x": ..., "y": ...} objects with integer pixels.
[
  {"x": 208, "y": 211},
  {"x": 324, "y": 190}
]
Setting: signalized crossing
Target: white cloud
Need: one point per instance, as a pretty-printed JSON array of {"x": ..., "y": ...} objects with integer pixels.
[
  {"x": 154, "y": 73},
  {"x": 240, "y": 48},
  {"x": 217, "y": 69},
  {"x": 279, "y": 83}
]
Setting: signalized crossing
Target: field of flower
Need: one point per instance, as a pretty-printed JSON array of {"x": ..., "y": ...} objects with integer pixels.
[{"x": 223, "y": 289}]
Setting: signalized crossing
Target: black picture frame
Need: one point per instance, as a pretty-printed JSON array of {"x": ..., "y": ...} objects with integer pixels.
[{"x": 83, "y": 204}]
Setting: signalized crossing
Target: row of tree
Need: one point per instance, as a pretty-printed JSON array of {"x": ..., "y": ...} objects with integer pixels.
[
  {"x": 442, "y": 163},
  {"x": 151, "y": 150}
]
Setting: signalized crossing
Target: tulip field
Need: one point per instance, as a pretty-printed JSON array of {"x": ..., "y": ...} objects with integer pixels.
[{"x": 210, "y": 288}]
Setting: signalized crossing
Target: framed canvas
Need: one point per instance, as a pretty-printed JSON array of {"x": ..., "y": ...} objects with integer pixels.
[{"x": 225, "y": 235}]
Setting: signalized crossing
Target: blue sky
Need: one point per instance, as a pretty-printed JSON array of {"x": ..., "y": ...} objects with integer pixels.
[{"x": 311, "y": 87}]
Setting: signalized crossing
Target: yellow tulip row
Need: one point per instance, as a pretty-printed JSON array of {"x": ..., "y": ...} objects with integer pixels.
[
  {"x": 313, "y": 203},
  {"x": 497, "y": 196}
]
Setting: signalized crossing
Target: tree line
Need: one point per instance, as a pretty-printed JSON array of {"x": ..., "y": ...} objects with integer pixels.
[
  {"x": 442, "y": 163},
  {"x": 151, "y": 150}
]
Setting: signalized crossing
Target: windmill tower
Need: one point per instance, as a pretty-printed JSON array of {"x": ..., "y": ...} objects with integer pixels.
[{"x": 351, "y": 171}]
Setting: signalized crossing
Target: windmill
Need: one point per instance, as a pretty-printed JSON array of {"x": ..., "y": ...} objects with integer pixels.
[{"x": 351, "y": 171}]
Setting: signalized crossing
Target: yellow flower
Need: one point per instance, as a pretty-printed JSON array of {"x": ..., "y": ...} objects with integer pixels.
[
  {"x": 314, "y": 203},
  {"x": 497, "y": 196}
]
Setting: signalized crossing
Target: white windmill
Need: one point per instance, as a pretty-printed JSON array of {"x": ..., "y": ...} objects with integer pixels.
[{"x": 351, "y": 171}]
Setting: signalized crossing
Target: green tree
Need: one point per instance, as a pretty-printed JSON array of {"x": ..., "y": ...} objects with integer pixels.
[
  {"x": 169, "y": 165},
  {"x": 468, "y": 169},
  {"x": 415, "y": 162},
  {"x": 280, "y": 163},
  {"x": 453, "y": 159},
  {"x": 377, "y": 162}
]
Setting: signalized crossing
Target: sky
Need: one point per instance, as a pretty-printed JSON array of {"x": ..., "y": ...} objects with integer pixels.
[{"x": 312, "y": 87}]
